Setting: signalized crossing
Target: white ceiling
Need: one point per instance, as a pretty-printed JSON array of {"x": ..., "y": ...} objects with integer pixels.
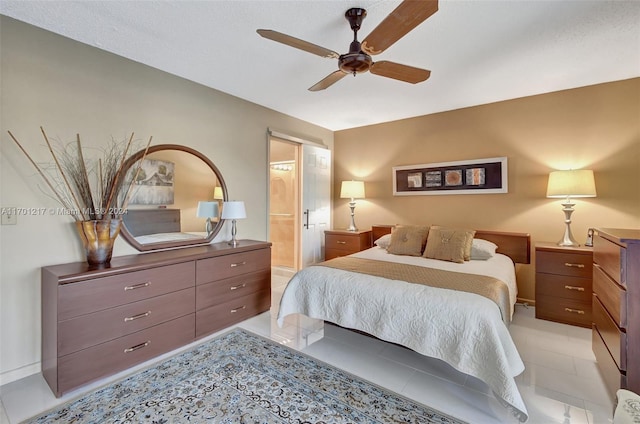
[{"x": 478, "y": 51}]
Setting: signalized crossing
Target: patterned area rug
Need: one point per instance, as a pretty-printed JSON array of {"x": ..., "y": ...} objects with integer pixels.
[{"x": 240, "y": 377}]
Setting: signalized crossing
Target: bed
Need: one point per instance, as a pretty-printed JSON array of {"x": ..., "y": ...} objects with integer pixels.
[
  {"x": 156, "y": 226},
  {"x": 454, "y": 310}
]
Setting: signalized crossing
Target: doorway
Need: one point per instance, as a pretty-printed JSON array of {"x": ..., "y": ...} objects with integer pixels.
[{"x": 284, "y": 219}]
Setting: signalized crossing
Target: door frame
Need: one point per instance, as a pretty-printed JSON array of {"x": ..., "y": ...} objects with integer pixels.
[{"x": 271, "y": 133}]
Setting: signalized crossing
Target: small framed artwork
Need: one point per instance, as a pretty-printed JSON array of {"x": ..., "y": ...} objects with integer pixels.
[{"x": 476, "y": 176}]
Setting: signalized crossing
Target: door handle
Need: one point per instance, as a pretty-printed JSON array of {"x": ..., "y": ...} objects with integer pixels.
[{"x": 306, "y": 225}]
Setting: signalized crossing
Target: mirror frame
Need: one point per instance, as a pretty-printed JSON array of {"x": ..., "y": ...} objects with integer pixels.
[{"x": 182, "y": 243}]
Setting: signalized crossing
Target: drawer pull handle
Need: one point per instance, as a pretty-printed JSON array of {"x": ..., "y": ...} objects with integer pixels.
[
  {"x": 574, "y": 265},
  {"x": 575, "y": 311},
  {"x": 574, "y": 288},
  {"x": 241, "y": 286},
  {"x": 135, "y": 317},
  {"x": 341, "y": 242},
  {"x": 238, "y": 264},
  {"x": 138, "y": 286},
  {"x": 136, "y": 347},
  {"x": 233, "y": 311}
]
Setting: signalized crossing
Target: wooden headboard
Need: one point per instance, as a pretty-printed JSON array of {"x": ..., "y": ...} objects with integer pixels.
[
  {"x": 517, "y": 246},
  {"x": 141, "y": 222}
]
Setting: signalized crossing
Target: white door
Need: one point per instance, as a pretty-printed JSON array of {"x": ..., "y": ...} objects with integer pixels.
[{"x": 316, "y": 201}]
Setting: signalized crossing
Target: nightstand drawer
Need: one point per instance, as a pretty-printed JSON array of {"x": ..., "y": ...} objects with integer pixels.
[
  {"x": 560, "y": 263},
  {"x": 564, "y": 287},
  {"x": 340, "y": 242},
  {"x": 567, "y": 311}
]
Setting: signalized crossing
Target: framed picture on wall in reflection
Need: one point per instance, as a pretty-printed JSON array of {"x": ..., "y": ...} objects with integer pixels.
[
  {"x": 154, "y": 183},
  {"x": 476, "y": 176}
]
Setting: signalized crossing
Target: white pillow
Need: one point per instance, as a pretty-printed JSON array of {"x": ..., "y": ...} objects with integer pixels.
[
  {"x": 482, "y": 249},
  {"x": 383, "y": 241}
]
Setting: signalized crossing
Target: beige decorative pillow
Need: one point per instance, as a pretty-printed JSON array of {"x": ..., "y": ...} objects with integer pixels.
[
  {"x": 408, "y": 240},
  {"x": 449, "y": 244}
]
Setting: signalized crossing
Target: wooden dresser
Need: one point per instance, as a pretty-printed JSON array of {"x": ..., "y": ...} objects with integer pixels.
[
  {"x": 342, "y": 242},
  {"x": 96, "y": 322},
  {"x": 616, "y": 307},
  {"x": 563, "y": 283}
]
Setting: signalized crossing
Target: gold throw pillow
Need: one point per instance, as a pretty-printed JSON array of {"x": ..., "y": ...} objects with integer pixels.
[
  {"x": 449, "y": 244},
  {"x": 408, "y": 240}
]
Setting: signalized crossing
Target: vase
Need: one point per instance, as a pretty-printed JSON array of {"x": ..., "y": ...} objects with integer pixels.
[{"x": 97, "y": 237}]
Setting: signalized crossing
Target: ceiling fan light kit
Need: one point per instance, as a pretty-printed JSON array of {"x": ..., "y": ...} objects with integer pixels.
[{"x": 408, "y": 15}]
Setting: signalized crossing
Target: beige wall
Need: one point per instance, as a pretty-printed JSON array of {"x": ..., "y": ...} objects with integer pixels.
[
  {"x": 595, "y": 127},
  {"x": 70, "y": 88}
]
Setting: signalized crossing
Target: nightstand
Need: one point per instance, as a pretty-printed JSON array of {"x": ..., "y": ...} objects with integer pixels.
[
  {"x": 343, "y": 243},
  {"x": 564, "y": 278}
]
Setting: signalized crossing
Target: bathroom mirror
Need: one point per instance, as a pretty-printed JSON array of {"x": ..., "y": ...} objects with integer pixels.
[{"x": 163, "y": 207}]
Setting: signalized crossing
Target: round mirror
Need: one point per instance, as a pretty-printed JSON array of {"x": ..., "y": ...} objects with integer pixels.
[{"x": 175, "y": 201}]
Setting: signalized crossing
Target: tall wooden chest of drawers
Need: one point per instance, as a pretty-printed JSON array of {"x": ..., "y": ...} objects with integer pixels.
[
  {"x": 563, "y": 284},
  {"x": 616, "y": 307},
  {"x": 96, "y": 322}
]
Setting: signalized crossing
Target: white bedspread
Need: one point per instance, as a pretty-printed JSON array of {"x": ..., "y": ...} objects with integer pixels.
[{"x": 463, "y": 329}]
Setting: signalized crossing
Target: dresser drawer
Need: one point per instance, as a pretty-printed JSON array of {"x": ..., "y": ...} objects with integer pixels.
[
  {"x": 222, "y": 291},
  {"x": 107, "y": 358},
  {"x": 99, "y": 327},
  {"x": 225, "y": 314},
  {"x": 611, "y": 258},
  {"x": 612, "y": 296},
  {"x": 107, "y": 292},
  {"x": 227, "y": 266},
  {"x": 612, "y": 376},
  {"x": 349, "y": 243},
  {"x": 567, "y": 311},
  {"x": 564, "y": 287},
  {"x": 615, "y": 339},
  {"x": 559, "y": 263}
]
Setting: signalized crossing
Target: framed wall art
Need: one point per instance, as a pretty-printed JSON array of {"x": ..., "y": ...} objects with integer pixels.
[
  {"x": 154, "y": 185},
  {"x": 477, "y": 176}
]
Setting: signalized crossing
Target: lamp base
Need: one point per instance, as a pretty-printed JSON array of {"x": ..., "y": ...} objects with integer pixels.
[
  {"x": 352, "y": 227},
  {"x": 567, "y": 238},
  {"x": 233, "y": 242}
]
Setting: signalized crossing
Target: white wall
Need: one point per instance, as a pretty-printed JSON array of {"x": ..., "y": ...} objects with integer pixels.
[{"x": 70, "y": 88}]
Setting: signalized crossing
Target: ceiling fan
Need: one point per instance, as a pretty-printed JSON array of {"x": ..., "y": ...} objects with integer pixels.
[{"x": 408, "y": 15}]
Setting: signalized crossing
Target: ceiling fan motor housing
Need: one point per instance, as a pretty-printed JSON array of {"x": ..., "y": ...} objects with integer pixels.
[{"x": 356, "y": 61}]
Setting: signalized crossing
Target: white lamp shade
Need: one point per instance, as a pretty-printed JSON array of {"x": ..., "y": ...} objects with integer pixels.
[
  {"x": 573, "y": 183},
  {"x": 352, "y": 190},
  {"x": 217, "y": 193},
  {"x": 207, "y": 210},
  {"x": 233, "y": 210}
]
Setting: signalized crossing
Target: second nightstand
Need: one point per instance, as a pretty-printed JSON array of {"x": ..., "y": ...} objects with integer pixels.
[
  {"x": 564, "y": 278},
  {"x": 343, "y": 243}
]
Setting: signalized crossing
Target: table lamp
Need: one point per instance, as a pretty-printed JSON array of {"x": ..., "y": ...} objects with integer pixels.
[
  {"x": 568, "y": 184},
  {"x": 233, "y": 210},
  {"x": 352, "y": 190},
  {"x": 207, "y": 210}
]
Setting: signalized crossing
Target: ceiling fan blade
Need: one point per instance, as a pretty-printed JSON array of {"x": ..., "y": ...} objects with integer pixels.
[
  {"x": 328, "y": 81},
  {"x": 399, "y": 72},
  {"x": 408, "y": 15},
  {"x": 297, "y": 43}
]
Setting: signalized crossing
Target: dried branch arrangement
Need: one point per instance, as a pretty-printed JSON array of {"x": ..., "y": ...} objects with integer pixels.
[{"x": 89, "y": 189}]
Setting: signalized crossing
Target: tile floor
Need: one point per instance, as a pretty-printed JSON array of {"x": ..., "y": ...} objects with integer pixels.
[{"x": 560, "y": 384}]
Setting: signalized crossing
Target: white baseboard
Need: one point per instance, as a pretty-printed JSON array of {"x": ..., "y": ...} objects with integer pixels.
[{"x": 17, "y": 374}]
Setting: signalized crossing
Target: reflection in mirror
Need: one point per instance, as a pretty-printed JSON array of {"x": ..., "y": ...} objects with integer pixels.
[{"x": 163, "y": 210}]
